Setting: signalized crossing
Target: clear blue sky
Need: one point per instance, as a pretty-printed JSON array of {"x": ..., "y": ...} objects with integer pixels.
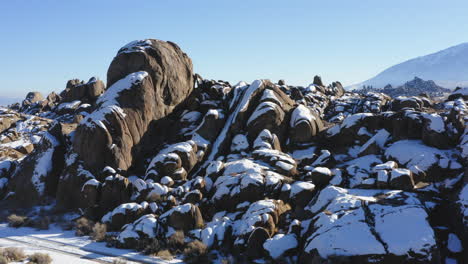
[{"x": 44, "y": 43}]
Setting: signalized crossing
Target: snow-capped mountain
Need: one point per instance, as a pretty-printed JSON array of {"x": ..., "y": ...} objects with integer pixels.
[{"x": 448, "y": 68}]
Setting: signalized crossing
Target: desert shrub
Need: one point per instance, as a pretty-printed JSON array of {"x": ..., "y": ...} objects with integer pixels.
[
  {"x": 83, "y": 226},
  {"x": 165, "y": 254},
  {"x": 40, "y": 258},
  {"x": 119, "y": 261},
  {"x": 176, "y": 242},
  {"x": 43, "y": 223},
  {"x": 99, "y": 232},
  {"x": 227, "y": 261},
  {"x": 17, "y": 220},
  {"x": 196, "y": 252},
  {"x": 13, "y": 254},
  {"x": 3, "y": 260},
  {"x": 152, "y": 247}
]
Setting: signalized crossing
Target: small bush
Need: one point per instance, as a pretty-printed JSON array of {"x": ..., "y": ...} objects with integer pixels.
[
  {"x": 40, "y": 258},
  {"x": 196, "y": 252},
  {"x": 3, "y": 260},
  {"x": 152, "y": 247},
  {"x": 17, "y": 220},
  {"x": 99, "y": 232},
  {"x": 176, "y": 242},
  {"x": 83, "y": 226},
  {"x": 119, "y": 261},
  {"x": 165, "y": 255},
  {"x": 13, "y": 254},
  {"x": 43, "y": 223}
]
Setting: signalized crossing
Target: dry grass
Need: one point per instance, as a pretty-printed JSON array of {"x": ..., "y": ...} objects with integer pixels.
[
  {"x": 152, "y": 247},
  {"x": 196, "y": 252},
  {"x": 119, "y": 261},
  {"x": 12, "y": 254},
  {"x": 40, "y": 258},
  {"x": 165, "y": 255},
  {"x": 83, "y": 227},
  {"x": 3, "y": 260},
  {"x": 176, "y": 242},
  {"x": 99, "y": 232},
  {"x": 17, "y": 220}
]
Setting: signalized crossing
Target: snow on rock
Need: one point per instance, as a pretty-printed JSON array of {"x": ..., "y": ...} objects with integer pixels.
[
  {"x": 239, "y": 143},
  {"x": 404, "y": 229},
  {"x": 108, "y": 103},
  {"x": 280, "y": 244},
  {"x": 454, "y": 244},
  {"x": 301, "y": 113},
  {"x": 257, "y": 214},
  {"x": 44, "y": 164},
  {"x": 396, "y": 224},
  {"x": 436, "y": 122},
  {"x": 243, "y": 98},
  {"x": 214, "y": 231},
  {"x": 300, "y": 186},
  {"x": 360, "y": 169},
  {"x": 146, "y": 226},
  {"x": 136, "y": 46},
  {"x": 416, "y": 156},
  {"x": 463, "y": 203}
]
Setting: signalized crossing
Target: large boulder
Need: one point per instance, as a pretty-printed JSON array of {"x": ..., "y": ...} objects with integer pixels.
[
  {"x": 32, "y": 97},
  {"x": 146, "y": 80},
  {"x": 183, "y": 217},
  {"x": 304, "y": 124},
  {"x": 270, "y": 112}
]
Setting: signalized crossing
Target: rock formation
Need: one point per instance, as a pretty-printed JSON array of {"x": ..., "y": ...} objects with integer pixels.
[{"x": 258, "y": 171}]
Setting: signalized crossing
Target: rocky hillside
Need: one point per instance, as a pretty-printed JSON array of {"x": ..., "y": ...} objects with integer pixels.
[
  {"x": 415, "y": 87},
  {"x": 253, "y": 172}
]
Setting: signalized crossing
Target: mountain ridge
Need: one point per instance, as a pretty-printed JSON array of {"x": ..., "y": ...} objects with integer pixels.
[
  {"x": 448, "y": 68},
  {"x": 415, "y": 87}
]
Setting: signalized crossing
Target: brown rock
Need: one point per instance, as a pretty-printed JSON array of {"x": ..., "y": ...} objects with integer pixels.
[
  {"x": 318, "y": 80},
  {"x": 115, "y": 191},
  {"x": 184, "y": 217},
  {"x": 155, "y": 77},
  {"x": 95, "y": 88},
  {"x": 304, "y": 125},
  {"x": 26, "y": 149}
]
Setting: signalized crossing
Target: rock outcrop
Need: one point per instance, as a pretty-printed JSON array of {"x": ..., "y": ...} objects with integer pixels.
[
  {"x": 255, "y": 172},
  {"x": 145, "y": 82}
]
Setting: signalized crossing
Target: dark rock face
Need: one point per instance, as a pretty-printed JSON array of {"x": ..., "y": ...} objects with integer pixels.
[
  {"x": 37, "y": 176},
  {"x": 184, "y": 217},
  {"x": 146, "y": 80}
]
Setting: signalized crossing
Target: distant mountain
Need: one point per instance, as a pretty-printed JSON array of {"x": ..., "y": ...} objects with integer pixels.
[
  {"x": 5, "y": 101},
  {"x": 414, "y": 87},
  {"x": 448, "y": 68}
]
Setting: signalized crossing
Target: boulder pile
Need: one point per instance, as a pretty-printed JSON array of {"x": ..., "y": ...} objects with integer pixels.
[{"x": 258, "y": 172}]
